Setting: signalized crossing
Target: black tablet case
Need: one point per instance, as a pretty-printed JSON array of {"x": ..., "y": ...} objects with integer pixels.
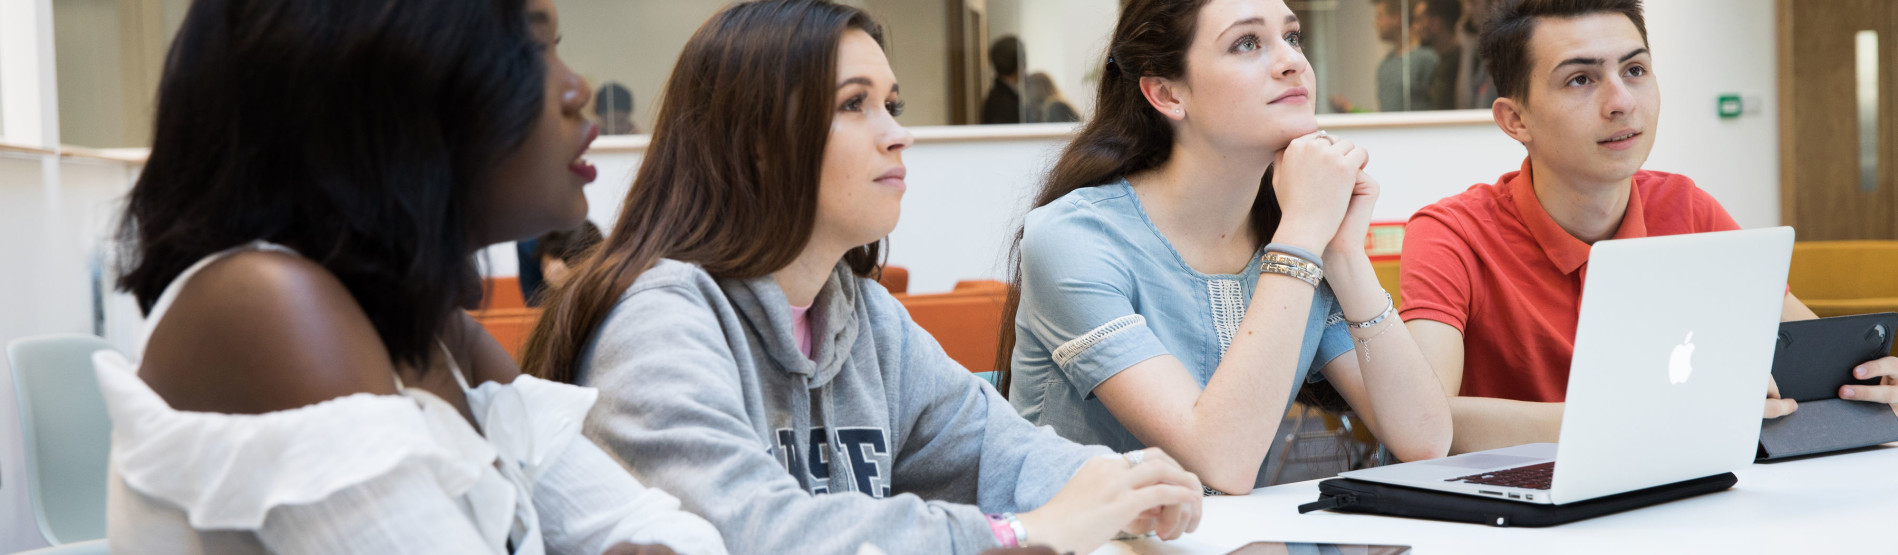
[
  {"x": 1813, "y": 358},
  {"x": 1346, "y": 495}
]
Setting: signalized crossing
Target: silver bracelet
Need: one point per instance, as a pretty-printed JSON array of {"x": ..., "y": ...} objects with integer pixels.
[
  {"x": 1285, "y": 264},
  {"x": 1390, "y": 308},
  {"x": 1296, "y": 251}
]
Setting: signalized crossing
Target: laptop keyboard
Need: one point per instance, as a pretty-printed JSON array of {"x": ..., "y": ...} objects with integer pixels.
[{"x": 1535, "y": 476}]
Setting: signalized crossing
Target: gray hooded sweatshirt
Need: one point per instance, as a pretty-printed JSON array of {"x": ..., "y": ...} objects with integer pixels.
[{"x": 882, "y": 440}]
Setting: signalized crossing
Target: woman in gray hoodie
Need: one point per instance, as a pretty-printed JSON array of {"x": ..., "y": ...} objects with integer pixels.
[{"x": 747, "y": 363}]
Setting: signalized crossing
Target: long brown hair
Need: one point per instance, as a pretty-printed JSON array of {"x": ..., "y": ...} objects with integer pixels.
[
  {"x": 1126, "y": 135},
  {"x": 730, "y": 179}
]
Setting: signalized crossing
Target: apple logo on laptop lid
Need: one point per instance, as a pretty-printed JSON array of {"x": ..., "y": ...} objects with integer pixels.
[{"x": 1681, "y": 363}]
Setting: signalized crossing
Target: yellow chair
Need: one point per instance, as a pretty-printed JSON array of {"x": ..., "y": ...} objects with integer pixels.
[
  {"x": 1387, "y": 277},
  {"x": 1838, "y": 278}
]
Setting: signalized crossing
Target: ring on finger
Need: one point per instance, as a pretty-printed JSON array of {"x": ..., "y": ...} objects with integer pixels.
[
  {"x": 1134, "y": 457},
  {"x": 1322, "y": 134}
]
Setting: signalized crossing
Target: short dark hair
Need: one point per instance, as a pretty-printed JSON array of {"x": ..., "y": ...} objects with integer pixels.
[
  {"x": 1449, "y": 11},
  {"x": 1505, "y": 41},
  {"x": 1006, "y": 55},
  {"x": 612, "y": 97},
  {"x": 355, "y": 133}
]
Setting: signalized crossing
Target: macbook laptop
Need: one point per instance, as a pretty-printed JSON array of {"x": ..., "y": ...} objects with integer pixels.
[{"x": 1672, "y": 352}]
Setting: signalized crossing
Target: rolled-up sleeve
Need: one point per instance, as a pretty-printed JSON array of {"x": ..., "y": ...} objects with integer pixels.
[{"x": 1076, "y": 298}]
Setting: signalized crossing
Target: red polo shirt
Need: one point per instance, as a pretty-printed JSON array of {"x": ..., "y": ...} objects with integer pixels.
[{"x": 1491, "y": 263}]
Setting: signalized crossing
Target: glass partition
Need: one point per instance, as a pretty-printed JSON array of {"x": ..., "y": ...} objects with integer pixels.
[{"x": 961, "y": 62}]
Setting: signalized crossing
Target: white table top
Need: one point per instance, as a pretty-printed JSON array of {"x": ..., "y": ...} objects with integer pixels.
[{"x": 1844, "y": 503}]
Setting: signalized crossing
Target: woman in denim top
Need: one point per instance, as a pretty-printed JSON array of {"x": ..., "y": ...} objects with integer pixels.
[{"x": 1148, "y": 312}]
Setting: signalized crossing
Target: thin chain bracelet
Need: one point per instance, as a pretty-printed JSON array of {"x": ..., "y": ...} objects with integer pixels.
[{"x": 1365, "y": 344}]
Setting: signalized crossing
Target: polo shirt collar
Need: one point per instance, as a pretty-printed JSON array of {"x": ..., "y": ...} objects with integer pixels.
[{"x": 1564, "y": 250}]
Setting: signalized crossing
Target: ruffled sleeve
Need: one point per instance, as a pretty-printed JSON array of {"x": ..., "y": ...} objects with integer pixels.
[
  {"x": 530, "y": 421},
  {"x": 227, "y": 471},
  {"x": 585, "y": 502}
]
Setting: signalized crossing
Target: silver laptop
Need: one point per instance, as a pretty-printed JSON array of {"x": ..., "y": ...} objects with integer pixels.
[{"x": 1672, "y": 352}]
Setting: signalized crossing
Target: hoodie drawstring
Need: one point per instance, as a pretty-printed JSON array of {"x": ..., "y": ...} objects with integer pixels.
[
  {"x": 801, "y": 424},
  {"x": 801, "y": 429},
  {"x": 837, "y": 454}
]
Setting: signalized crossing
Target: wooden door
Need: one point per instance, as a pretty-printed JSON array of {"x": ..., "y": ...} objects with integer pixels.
[
  {"x": 1821, "y": 190},
  {"x": 968, "y": 54}
]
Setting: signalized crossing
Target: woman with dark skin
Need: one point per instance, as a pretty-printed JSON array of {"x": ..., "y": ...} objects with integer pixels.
[{"x": 302, "y": 240}]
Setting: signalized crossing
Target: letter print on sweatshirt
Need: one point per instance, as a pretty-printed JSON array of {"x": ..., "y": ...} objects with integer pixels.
[{"x": 864, "y": 449}]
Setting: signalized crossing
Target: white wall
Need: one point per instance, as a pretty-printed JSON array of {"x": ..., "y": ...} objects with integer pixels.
[
  {"x": 1703, "y": 48},
  {"x": 27, "y": 73}
]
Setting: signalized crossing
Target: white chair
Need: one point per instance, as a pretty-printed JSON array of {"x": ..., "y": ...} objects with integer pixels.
[
  {"x": 67, "y": 435},
  {"x": 91, "y": 547}
]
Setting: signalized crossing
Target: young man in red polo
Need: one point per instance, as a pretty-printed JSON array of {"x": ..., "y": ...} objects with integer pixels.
[{"x": 1492, "y": 277}]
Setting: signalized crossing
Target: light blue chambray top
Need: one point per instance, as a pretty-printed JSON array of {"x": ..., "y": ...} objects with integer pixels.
[{"x": 1102, "y": 289}]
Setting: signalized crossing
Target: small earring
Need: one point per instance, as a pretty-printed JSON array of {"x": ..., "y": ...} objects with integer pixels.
[{"x": 1179, "y": 112}]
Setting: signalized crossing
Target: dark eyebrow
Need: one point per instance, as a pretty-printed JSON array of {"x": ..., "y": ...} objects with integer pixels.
[
  {"x": 1248, "y": 21},
  {"x": 1578, "y": 62},
  {"x": 539, "y": 17},
  {"x": 1290, "y": 19},
  {"x": 1597, "y": 61}
]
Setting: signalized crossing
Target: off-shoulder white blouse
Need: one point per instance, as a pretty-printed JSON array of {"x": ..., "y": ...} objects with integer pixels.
[{"x": 370, "y": 473}]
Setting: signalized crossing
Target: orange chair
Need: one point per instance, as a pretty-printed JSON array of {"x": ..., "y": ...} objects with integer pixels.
[
  {"x": 895, "y": 279},
  {"x": 509, "y": 326},
  {"x": 966, "y": 321},
  {"x": 505, "y": 314},
  {"x": 502, "y": 292}
]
